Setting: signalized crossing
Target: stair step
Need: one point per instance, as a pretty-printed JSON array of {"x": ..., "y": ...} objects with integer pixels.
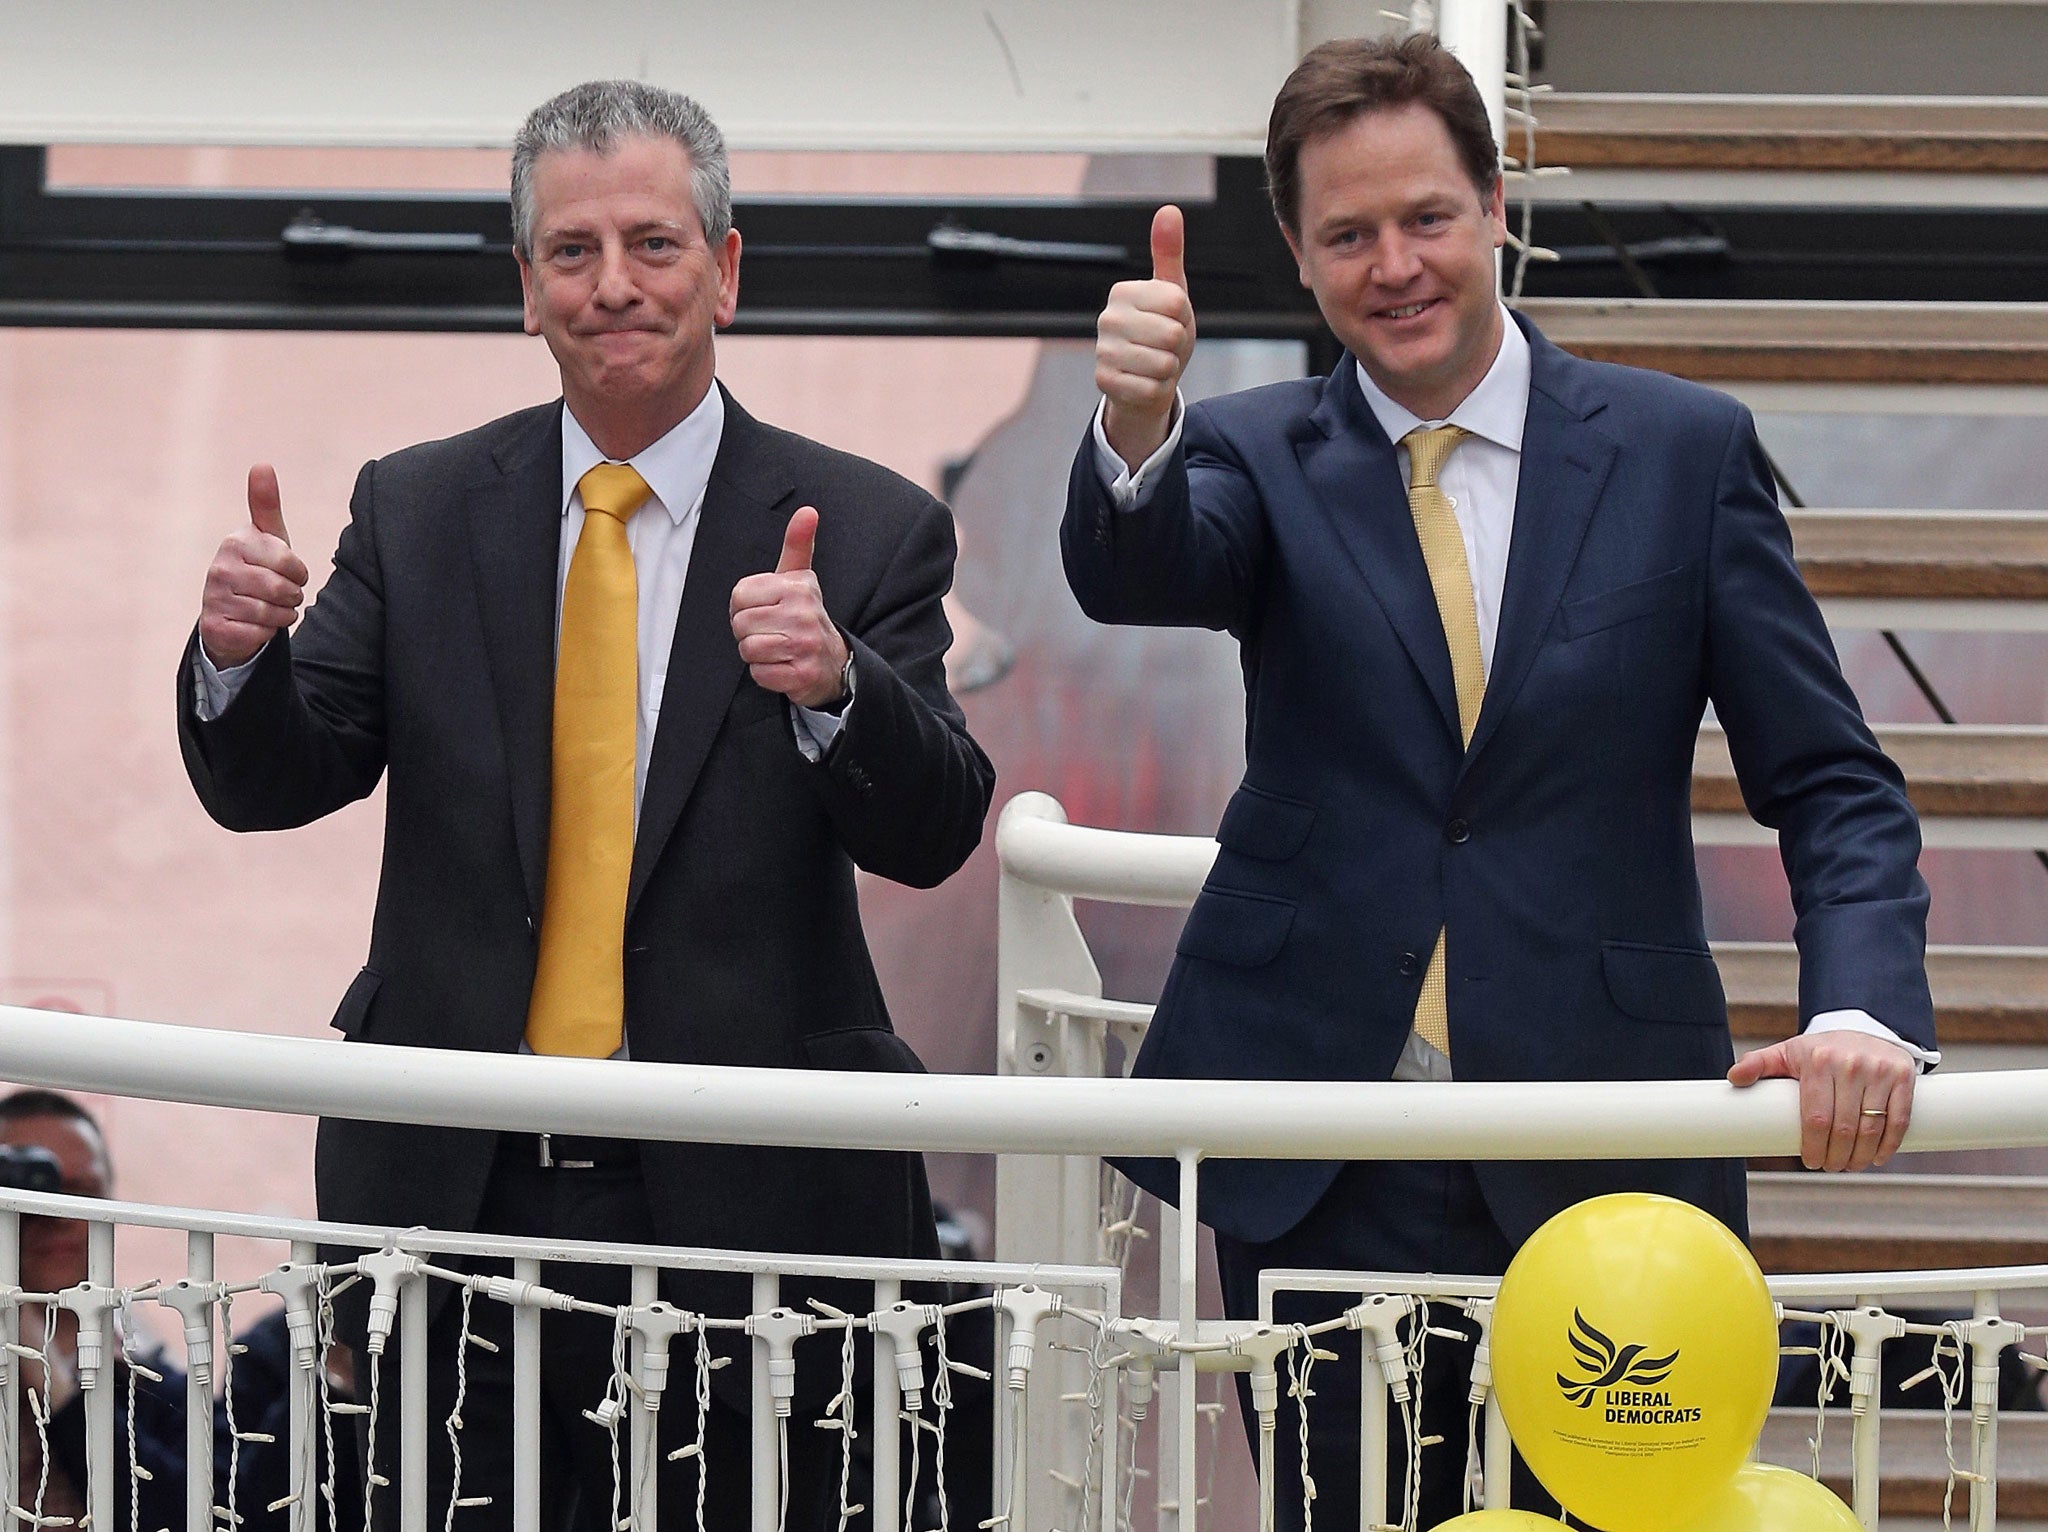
[
  {"x": 1913, "y": 1460},
  {"x": 1987, "y": 771},
  {"x": 1810, "y": 1222},
  {"x": 1917, "y": 555},
  {"x": 1982, "y": 995},
  {"x": 1759, "y": 341},
  {"x": 1862, "y": 133}
]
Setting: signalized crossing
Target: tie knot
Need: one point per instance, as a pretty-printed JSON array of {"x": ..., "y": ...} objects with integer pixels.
[
  {"x": 1428, "y": 446},
  {"x": 613, "y": 489}
]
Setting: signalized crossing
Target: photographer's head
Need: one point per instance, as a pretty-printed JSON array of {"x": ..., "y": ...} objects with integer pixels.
[{"x": 53, "y": 1250}]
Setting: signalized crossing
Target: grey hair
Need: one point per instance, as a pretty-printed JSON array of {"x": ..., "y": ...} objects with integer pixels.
[{"x": 595, "y": 116}]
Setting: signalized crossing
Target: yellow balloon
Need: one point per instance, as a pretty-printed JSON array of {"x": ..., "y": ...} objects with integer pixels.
[
  {"x": 1501, "y": 1521},
  {"x": 1762, "y": 1498},
  {"x": 1634, "y": 1350}
]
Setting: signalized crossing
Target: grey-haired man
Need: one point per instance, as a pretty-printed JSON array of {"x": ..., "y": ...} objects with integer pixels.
[{"x": 778, "y": 604}]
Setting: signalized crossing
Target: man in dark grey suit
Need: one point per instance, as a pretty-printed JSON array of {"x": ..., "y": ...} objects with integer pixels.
[{"x": 788, "y": 722}]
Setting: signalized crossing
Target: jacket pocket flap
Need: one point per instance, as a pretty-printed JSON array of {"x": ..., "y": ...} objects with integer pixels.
[
  {"x": 1265, "y": 825},
  {"x": 1241, "y": 929},
  {"x": 353, "y": 1013},
  {"x": 1665, "y": 983},
  {"x": 874, "y": 1050},
  {"x": 1639, "y": 598}
]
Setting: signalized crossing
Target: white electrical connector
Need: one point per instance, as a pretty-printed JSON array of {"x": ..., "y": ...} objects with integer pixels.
[
  {"x": 778, "y": 1330},
  {"x": 1264, "y": 1345},
  {"x": 298, "y": 1284},
  {"x": 1380, "y": 1317},
  {"x": 1146, "y": 1343},
  {"x": 904, "y": 1323},
  {"x": 1480, "y": 1312},
  {"x": 1026, "y": 1306},
  {"x": 91, "y": 1304},
  {"x": 193, "y": 1302},
  {"x": 388, "y": 1271},
  {"x": 1869, "y": 1328},
  {"x": 657, "y": 1323}
]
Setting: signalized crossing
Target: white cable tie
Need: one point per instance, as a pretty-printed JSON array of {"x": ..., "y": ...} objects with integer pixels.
[{"x": 826, "y": 1309}]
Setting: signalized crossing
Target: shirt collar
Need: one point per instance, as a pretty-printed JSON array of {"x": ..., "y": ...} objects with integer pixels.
[
  {"x": 1497, "y": 409},
  {"x": 676, "y": 467}
]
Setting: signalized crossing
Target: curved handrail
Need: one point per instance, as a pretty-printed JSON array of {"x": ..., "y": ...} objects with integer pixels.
[
  {"x": 973, "y": 1113},
  {"x": 1036, "y": 844}
]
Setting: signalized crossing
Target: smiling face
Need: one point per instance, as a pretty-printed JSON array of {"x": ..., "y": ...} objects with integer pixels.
[
  {"x": 1398, "y": 246},
  {"x": 625, "y": 288}
]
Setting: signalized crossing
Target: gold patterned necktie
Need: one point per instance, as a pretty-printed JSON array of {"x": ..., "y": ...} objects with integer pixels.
[
  {"x": 579, "y": 990},
  {"x": 1450, "y": 577}
]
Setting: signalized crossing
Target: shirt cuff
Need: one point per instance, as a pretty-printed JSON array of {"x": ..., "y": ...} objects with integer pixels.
[
  {"x": 213, "y": 690},
  {"x": 1870, "y": 1026},
  {"x": 1128, "y": 489},
  {"x": 814, "y": 730}
]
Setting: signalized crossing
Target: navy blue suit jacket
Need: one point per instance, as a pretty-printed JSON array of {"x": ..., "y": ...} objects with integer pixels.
[{"x": 1650, "y": 572}]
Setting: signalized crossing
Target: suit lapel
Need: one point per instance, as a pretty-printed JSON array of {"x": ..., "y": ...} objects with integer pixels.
[
  {"x": 1356, "y": 479},
  {"x": 1565, "y": 464},
  {"x": 738, "y": 534},
  {"x": 515, "y": 527}
]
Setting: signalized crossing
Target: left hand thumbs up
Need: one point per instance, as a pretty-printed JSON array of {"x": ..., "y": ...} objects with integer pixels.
[{"x": 790, "y": 643}]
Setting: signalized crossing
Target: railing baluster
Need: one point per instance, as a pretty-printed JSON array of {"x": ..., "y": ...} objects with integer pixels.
[
  {"x": 1372, "y": 1436},
  {"x": 644, "y": 1458},
  {"x": 1984, "y": 1360},
  {"x": 1188, "y": 1477},
  {"x": 100, "y": 1461},
  {"x": 413, "y": 1507},
  {"x": 885, "y": 1502},
  {"x": 10, "y": 1365},
  {"x": 304, "y": 1407},
  {"x": 199, "y": 1398},
  {"x": 1865, "y": 1425},
  {"x": 526, "y": 1403},
  {"x": 766, "y": 1469}
]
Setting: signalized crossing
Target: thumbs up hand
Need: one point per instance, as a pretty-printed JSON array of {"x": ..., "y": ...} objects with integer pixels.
[
  {"x": 1142, "y": 344},
  {"x": 255, "y": 584},
  {"x": 790, "y": 644}
]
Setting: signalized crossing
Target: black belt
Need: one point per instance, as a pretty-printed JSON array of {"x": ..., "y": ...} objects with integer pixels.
[{"x": 569, "y": 1151}]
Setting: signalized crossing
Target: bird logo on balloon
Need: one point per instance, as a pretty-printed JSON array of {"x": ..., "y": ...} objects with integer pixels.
[{"x": 1611, "y": 1366}]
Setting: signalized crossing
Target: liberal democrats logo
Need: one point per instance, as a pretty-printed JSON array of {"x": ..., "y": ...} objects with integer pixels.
[{"x": 1611, "y": 1367}]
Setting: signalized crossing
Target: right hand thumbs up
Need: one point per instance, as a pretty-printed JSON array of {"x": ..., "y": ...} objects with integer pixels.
[
  {"x": 255, "y": 584},
  {"x": 1142, "y": 344}
]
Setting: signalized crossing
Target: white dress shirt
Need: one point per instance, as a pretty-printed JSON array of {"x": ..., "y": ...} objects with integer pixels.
[
  {"x": 661, "y": 534},
  {"x": 1481, "y": 478}
]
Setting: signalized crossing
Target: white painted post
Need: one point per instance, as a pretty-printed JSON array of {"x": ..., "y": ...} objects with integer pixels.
[
  {"x": 526, "y": 1403},
  {"x": 199, "y": 1405}
]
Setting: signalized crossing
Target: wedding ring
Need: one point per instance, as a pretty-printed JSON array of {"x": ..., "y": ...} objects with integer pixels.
[{"x": 1875, "y": 1111}]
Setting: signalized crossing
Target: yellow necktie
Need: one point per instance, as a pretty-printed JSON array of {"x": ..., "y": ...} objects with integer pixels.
[
  {"x": 579, "y": 991},
  {"x": 1450, "y": 576}
]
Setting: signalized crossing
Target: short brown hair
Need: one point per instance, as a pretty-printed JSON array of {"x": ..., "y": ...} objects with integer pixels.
[{"x": 1344, "y": 79}]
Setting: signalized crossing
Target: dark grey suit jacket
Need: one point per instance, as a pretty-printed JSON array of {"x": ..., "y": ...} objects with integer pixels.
[{"x": 429, "y": 660}]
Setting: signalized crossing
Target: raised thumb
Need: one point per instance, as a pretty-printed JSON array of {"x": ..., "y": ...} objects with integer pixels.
[
  {"x": 1170, "y": 247},
  {"x": 266, "y": 510},
  {"x": 799, "y": 542}
]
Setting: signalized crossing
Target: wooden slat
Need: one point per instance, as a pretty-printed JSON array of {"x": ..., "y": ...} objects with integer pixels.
[
  {"x": 1802, "y": 1222},
  {"x": 1991, "y": 995},
  {"x": 1858, "y": 133},
  {"x": 1950, "y": 769},
  {"x": 1795, "y": 342},
  {"x": 1913, "y": 1459},
  {"x": 1911, "y": 555}
]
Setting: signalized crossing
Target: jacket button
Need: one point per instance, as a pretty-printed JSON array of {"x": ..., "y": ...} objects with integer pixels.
[
  {"x": 1411, "y": 965},
  {"x": 1457, "y": 832}
]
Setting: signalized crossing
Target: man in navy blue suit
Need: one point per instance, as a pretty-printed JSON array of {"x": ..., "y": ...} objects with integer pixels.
[{"x": 1484, "y": 592}]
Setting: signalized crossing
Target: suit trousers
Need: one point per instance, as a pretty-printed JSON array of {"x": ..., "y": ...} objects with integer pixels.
[
  {"x": 608, "y": 1203},
  {"x": 1396, "y": 1216}
]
